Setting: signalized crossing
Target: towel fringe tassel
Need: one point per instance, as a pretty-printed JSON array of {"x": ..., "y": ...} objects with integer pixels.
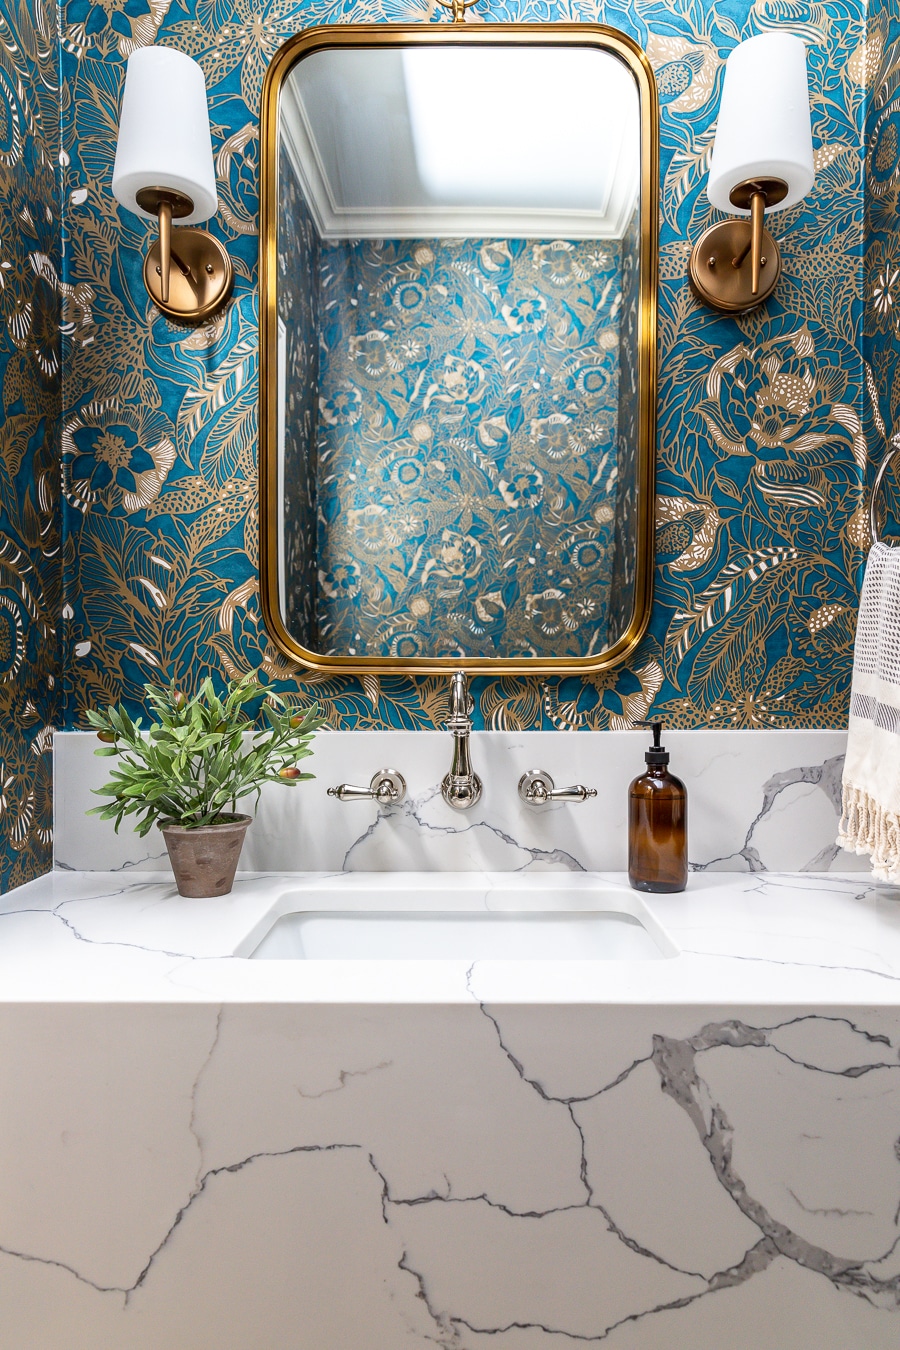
[{"x": 867, "y": 828}]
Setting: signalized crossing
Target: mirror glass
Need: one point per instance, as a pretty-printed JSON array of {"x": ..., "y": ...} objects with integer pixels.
[{"x": 458, "y": 301}]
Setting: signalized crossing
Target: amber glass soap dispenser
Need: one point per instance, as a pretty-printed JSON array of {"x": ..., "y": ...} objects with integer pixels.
[{"x": 657, "y": 824}]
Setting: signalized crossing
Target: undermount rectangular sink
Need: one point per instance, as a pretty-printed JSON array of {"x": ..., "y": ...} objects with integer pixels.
[{"x": 438, "y": 929}]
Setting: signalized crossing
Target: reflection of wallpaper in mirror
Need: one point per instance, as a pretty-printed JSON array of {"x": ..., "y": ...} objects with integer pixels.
[
  {"x": 298, "y": 267},
  {"x": 467, "y": 446},
  {"x": 621, "y": 600}
]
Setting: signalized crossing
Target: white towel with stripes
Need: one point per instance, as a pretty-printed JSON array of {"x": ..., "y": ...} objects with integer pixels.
[{"x": 870, "y": 820}]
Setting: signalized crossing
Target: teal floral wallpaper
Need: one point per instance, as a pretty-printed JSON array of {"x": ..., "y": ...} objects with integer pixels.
[
  {"x": 468, "y": 396},
  {"x": 765, "y": 422},
  {"x": 35, "y": 308}
]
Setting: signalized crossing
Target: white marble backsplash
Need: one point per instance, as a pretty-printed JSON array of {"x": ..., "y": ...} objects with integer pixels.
[{"x": 758, "y": 801}]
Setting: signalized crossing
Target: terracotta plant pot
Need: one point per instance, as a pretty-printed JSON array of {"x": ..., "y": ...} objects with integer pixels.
[{"x": 205, "y": 859}]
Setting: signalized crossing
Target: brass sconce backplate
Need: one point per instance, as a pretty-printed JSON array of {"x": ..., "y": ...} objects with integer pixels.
[
  {"x": 717, "y": 274},
  {"x": 201, "y": 276}
]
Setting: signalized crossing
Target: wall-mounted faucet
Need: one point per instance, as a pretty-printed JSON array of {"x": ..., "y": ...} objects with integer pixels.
[{"x": 461, "y": 787}]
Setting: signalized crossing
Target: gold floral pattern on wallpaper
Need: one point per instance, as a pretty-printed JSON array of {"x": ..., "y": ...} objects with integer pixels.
[
  {"x": 31, "y": 298},
  {"x": 468, "y": 414},
  {"x": 765, "y": 422}
]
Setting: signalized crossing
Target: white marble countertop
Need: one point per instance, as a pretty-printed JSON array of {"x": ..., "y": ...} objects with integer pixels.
[{"x": 765, "y": 938}]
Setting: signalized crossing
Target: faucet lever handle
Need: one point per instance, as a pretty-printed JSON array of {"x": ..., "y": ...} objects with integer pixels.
[
  {"x": 387, "y": 788},
  {"x": 536, "y": 789}
]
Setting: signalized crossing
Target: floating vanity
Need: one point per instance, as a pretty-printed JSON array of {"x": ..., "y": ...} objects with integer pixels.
[{"x": 692, "y": 1141}]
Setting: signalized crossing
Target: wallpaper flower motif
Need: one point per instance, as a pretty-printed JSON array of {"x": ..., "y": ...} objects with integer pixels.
[
  {"x": 119, "y": 456},
  {"x": 30, "y": 565},
  {"x": 764, "y": 421}
]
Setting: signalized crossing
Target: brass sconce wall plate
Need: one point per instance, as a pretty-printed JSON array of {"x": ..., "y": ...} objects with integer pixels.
[
  {"x": 719, "y": 281},
  {"x": 201, "y": 276}
]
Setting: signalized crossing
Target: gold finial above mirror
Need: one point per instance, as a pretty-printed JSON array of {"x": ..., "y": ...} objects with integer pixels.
[
  {"x": 457, "y": 8},
  {"x": 458, "y": 333}
]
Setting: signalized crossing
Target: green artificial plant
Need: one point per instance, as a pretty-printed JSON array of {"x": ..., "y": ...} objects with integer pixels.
[{"x": 193, "y": 765}]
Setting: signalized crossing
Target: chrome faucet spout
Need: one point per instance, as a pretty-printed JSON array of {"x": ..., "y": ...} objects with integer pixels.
[{"x": 461, "y": 787}]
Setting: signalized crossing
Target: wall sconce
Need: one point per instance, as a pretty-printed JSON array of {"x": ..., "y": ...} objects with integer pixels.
[
  {"x": 762, "y": 161},
  {"x": 164, "y": 171}
]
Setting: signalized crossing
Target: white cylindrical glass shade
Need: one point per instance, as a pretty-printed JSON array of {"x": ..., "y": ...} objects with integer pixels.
[
  {"x": 764, "y": 128},
  {"x": 164, "y": 139}
]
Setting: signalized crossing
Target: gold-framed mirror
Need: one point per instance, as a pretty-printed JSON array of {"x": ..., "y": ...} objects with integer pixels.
[{"x": 458, "y": 261}]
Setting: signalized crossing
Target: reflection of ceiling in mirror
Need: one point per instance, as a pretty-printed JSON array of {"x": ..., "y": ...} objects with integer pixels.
[{"x": 464, "y": 142}]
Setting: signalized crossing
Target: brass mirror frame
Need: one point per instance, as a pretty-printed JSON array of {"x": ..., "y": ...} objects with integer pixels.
[{"x": 483, "y": 34}]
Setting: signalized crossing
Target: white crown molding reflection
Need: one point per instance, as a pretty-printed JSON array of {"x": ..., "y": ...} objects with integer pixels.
[{"x": 335, "y": 218}]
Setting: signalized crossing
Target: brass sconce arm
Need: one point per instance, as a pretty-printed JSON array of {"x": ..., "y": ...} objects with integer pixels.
[
  {"x": 754, "y": 244},
  {"x": 757, "y": 212},
  {"x": 729, "y": 289},
  {"x": 166, "y": 205},
  {"x": 758, "y": 196},
  {"x": 203, "y": 278}
]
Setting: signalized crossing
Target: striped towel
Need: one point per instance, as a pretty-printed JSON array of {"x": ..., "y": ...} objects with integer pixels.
[{"x": 870, "y": 822}]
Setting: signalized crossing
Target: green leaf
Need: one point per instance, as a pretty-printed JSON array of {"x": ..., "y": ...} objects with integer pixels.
[{"x": 193, "y": 763}]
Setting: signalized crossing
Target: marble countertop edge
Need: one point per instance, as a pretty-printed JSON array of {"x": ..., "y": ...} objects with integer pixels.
[{"x": 761, "y": 939}]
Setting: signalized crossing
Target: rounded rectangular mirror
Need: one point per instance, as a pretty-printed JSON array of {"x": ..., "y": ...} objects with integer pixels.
[{"x": 458, "y": 281}]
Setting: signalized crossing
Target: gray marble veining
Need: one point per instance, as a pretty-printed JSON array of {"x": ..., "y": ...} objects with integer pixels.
[{"x": 366, "y": 1203}]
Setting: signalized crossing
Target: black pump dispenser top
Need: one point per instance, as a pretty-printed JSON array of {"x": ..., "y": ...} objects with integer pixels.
[{"x": 656, "y": 754}]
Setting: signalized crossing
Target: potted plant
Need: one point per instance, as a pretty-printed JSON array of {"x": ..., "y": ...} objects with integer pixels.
[{"x": 190, "y": 769}]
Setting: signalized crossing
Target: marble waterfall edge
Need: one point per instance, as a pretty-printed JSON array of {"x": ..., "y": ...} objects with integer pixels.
[
  {"x": 219, "y": 1177},
  {"x": 758, "y": 801},
  {"x": 205, "y": 1152}
]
